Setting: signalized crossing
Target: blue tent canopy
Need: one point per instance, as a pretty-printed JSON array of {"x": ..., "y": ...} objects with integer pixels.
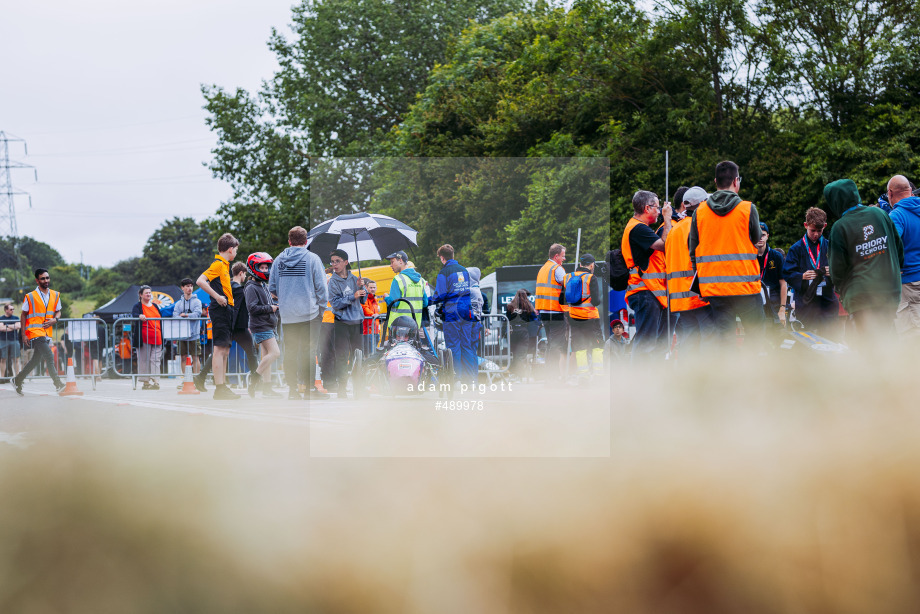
[{"x": 203, "y": 296}]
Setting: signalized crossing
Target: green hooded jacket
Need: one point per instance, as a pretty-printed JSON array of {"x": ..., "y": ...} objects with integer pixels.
[{"x": 865, "y": 252}]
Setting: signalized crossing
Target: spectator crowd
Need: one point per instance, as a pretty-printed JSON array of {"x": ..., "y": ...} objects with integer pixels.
[{"x": 699, "y": 273}]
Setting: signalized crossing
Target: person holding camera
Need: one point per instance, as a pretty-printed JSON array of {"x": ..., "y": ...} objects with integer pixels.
[{"x": 807, "y": 272}]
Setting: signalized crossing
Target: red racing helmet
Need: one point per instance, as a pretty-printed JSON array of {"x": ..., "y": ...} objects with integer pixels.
[{"x": 255, "y": 261}]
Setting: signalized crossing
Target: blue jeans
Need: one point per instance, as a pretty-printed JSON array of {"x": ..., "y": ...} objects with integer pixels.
[
  {"x": 650, "y": 320},
  {"x": 749, "y": 309},
  {"x": 694, "y": 327}
]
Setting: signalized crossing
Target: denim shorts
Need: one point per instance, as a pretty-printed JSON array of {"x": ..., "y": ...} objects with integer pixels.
[{"x": 258, "y": 338}]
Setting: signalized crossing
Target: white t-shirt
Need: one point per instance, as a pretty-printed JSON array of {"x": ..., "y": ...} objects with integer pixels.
[
  {"x": 46, "y": 296},
  {"x": 559, "y": 274}
]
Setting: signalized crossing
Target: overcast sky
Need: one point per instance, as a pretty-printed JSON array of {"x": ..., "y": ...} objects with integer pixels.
[{"x": 106, "y": 93}]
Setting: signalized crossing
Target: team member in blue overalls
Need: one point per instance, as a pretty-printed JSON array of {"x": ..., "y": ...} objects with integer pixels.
[{"x": 453, "y": 290}]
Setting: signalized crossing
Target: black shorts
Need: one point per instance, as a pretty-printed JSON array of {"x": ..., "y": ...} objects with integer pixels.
[{"x": 221, "y": 326}]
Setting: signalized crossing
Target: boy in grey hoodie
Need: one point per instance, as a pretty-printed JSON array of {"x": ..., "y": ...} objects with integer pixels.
[
  {"x": 346, "y": 294},
  {"x": 298, "y": 280}
]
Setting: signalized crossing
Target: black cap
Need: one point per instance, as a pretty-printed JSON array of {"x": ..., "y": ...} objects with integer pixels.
[
  {"x": 586, "y": 259},
  {"x": 763, "y": 227},
  {"x": 400, "y": 254},
  {"x": 341, "y": 253}
]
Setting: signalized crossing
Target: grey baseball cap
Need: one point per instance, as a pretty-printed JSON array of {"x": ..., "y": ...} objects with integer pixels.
[{"x": 695, "y": 196}]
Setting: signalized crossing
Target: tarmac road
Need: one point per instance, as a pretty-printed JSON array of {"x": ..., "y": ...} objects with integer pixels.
[{"x": 519, "y": 420}]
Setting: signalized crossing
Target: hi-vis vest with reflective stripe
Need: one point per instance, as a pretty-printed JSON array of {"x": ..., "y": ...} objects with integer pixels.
[
  {"x": 39, "y": 312},
  {"x": 726, "y": 260},
  {"x": 584, "y": 310},
  {"x": 652, "y": 278},
  {"x": 548, "y": 289},
  {"x": 412, "y": 291},
  {"x": 680, "y": 271}
]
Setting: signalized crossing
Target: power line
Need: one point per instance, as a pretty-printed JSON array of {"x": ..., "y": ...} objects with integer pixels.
[
  {"x": 125, "y": 153},
  {"x": 121, "y": 150},
  {"x": 174, "y": 178},
  {"x": 110, "y": 214},
  {"x": 118, "y": 126},
  {"x": 127, "y": 184}
]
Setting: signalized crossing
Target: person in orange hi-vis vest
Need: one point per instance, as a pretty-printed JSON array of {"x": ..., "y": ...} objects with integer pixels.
[
  {"x": 695, "y": 322},
  {"x": 552, "y": 314},
  {"x": 587, "y": 335},
  {"x": 643, "y": 251},
  {"x": 40, "y": 310},
  {"x": 724, "y": 233}
]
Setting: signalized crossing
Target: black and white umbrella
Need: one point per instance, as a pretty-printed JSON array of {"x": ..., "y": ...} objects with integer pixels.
[{"x": 363, "y": 236}]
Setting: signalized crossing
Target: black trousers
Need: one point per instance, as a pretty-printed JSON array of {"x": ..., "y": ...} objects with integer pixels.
[
  {"x": 42, "y": 351},
  {"x": 586, "y": 334},
  {"x": 243, "y": 338},
  {"x": 300, "y": 341},
  {"x": 347, "y": 340},
  {"x": 556, "y": 346},
  {"x": 326, "y": 350},
  {"x": 749, "y": 309}
]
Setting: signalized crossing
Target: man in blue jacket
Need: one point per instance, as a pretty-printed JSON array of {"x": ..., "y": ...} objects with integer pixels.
[
  {"x": 807, "y": 273},
  {"x": 906, "y": 218},
  {"x": 453, "y": 290}
]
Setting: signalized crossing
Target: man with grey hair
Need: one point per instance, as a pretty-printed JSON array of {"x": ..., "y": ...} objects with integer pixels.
[
  {"x": 643, "y": 250},
  {"x": 906, "y": 218}
]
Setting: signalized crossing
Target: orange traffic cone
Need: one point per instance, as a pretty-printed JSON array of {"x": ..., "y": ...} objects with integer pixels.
[
  {"x": 188, "y": 386},
  {"x": 70, "y": 386},
  {"x": 318, "y": 382}
]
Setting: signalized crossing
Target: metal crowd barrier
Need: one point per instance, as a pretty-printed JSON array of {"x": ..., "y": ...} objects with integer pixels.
[
  {"x": 83, "y": 339},
  {"x": 495, "y": 345},
  {"x": 136, "y": 356},
  {"x": 131, "y": 358},
  {"x": 371, "y": 340},
  {"x": 121, "y": 349}
]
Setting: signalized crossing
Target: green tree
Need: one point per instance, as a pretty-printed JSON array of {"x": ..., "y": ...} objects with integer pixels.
[
  {"x": 348, "y": 74},
  {"x": 180, "y": 247},
  {"x": 67, "y": 279},
  {"x": 104, "y": 285}
]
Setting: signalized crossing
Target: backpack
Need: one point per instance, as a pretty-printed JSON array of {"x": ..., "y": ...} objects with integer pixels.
[
  {"x": 573, "y": 289},
  {"x": 619, "y": 272}
]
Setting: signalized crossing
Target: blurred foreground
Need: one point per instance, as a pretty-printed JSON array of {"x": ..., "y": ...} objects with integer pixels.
[{"x": 730, "y": 486}]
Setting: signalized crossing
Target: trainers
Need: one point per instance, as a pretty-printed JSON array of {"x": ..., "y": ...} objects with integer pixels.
[
  {"x": 268, "y": 392},
  {"x": 316, "y": 395},
  {"x": 155, "y": 386},
  {"x": 223, "y": 393},
  {"x": 59, "y": 386},
  {"x": 294, "y": 395},
  {"x": 255, "y": 381},
  {"x": 199, "y": 384},
  {"x": 18, "y": 386}
]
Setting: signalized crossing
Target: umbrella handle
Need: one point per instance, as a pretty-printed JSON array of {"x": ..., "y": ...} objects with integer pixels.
[{"x": 358, "y": 261}]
